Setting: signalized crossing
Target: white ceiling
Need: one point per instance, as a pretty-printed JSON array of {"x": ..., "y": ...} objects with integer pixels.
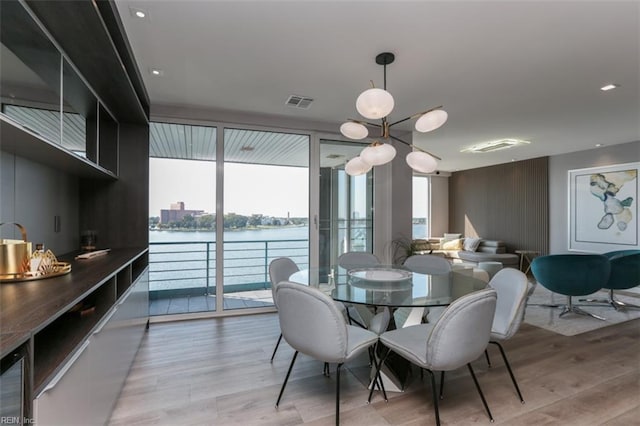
[{"x": 529, "y": 70}]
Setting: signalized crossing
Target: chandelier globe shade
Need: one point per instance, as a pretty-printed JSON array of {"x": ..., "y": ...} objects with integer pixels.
[
  {"x": 375, "y": 103},
  {"x": 431, "y": 120},
  {"x": 421, "y": 162},
  {"x": 354, "y": 130},
  {"x": 356, "y": 167},
  {"x": 378, "y": 153}
]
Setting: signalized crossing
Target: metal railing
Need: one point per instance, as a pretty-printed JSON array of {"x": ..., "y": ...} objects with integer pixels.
[{"x": 189, "y": 267}]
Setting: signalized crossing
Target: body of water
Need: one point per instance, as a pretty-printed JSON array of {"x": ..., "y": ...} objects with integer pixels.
[{"x": 185, "y": 260}]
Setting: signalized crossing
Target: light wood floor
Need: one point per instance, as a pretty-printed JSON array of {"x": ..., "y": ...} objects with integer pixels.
[{"x": 217, "y": 372}]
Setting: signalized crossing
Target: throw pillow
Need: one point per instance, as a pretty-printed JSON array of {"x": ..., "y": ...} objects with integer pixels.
[
  {"x": 450, "y": 237},
  {"x": 471, "y": 244},
  {"x": 452, "y": 245}
]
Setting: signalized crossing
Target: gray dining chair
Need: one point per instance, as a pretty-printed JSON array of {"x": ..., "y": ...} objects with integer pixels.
[
  {"x": 280, "y": 269},
  {"x": 312, "y": 324},
  {"x": 427, "y": 264},
  {"x": 459, "y": 336},
  {"x": 512, "y": 288},
  {"x": 358, "y": 314}
]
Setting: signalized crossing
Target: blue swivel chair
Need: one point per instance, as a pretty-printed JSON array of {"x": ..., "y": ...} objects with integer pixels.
[
  {"x": 572, "y": 275},
  {"x": 625, "y": 273}
]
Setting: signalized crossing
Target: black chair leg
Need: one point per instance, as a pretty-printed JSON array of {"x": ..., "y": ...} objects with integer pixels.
[
  {"x": 378, "y": 366},
  {"x": 435, "y": 397},
  {"x": 441, "y": 384},
  {"x": 276, "y": 348},
  {"x": 338, "y": 394},
  {"x": 506, "y": 362},
  {"x": 286, "y": 378},
  {"x": 484, "y": 401},
  {"x": 486, "y": 355}
]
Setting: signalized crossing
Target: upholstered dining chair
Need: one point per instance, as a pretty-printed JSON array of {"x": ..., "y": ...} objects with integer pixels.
[
  {"x": 312, "y": 324},
  {"x": 280, "y": 269},
  {"x": 625, "y": 273},
  {"x": 358, "y": 314},
  {"x": 512, "y": 288},
  {"x": 572, "y": 275},
  {"x": 427, "y": 264},
  {"x": 459, "y": 336}
]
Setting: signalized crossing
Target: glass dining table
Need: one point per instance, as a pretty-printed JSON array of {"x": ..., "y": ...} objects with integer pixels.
[
  {"x": 393, "y": 287},
  {"x": 389, "y": 285}
]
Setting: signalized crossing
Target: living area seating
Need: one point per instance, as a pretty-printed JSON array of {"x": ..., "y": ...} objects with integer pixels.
[
  {"x": 572, "y": 275},
  {"x": 469, "y": 250},
  {"x": 625, "y": 274}
]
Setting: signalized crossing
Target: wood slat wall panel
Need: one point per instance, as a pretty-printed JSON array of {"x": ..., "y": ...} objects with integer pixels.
[{"x": 508, "y": 202}]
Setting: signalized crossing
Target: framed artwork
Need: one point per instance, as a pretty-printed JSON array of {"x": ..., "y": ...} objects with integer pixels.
[{"x": 603, "y": 208}]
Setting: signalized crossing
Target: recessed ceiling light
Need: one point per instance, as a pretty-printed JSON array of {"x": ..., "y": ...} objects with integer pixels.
[
  {"x": 599, "y": 145},
  {"x": 495, "y": 145},
  {"x": 157, "y": 72},
  {"x": 513, "y": 159},
  {"x": 138, "y": 13},
  {"x": 609, "y": 87}
]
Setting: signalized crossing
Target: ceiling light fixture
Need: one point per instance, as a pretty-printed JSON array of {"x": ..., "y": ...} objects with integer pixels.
[
  {"x": 377, "y": 104},
  {"x": 494, "y": 145},
  {"x": 609, "y": 87},
  {"x": 138, "y": 13},
  {"x": 157, "y": 72}
]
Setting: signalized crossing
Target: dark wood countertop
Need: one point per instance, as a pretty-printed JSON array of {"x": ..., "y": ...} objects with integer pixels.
[{"x": 26, "y": 307}]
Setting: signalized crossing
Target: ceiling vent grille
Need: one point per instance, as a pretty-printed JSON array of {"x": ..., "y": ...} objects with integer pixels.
[{"x": 302, "y": 102}]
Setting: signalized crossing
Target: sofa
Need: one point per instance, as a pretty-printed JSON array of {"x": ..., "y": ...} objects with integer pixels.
[{"x": 468, "y": 250}]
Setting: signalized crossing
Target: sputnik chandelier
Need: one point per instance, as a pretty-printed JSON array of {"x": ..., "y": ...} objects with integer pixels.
[{"x": 376, "y": 103}]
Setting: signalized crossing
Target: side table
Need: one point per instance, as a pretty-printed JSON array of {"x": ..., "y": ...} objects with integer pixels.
[{"x": 528, "y": 256}]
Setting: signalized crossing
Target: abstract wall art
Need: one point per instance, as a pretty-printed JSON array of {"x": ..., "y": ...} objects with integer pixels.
[{"x": 603, "y": 208}]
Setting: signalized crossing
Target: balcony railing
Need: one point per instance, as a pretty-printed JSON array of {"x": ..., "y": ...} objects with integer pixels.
[{"x": 189, "y": 268}]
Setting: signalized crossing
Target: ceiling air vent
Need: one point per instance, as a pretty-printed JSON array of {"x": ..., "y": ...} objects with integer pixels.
[{"x": 302, "y": 102}]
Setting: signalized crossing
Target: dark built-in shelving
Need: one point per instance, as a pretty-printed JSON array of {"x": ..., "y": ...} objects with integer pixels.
[
  {"x": 49, "y": 310},
  {"x": 18, "y": 140}
]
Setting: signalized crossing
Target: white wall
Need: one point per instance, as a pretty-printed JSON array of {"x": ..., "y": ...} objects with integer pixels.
[{"x": 559, "y": 165}]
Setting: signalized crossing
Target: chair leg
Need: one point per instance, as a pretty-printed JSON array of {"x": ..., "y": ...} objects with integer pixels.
[
  {"x": 326, "y": 372},
  {"x": 484, "y": 401},
  {"x": 378, "y": 366},
  {"x": 276, "y": 348},
  {"x": 574, "y": 309},
  {"x": 338, "y": 394},
  {"x": 435, "y": 397},
  {"x": 441, "y": 384},
  {"x": 486, "y": 355},
  {"x": 506, "y": 362},
  {"x": 286, "y": 378}
]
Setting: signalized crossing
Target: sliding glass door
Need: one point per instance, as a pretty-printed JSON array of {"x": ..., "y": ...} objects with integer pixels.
[
  {"x": 346, "y": 204},
  {"x": 266, "y": 210}
]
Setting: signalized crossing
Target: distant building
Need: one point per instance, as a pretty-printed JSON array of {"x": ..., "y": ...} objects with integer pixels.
[{"x": 177, "y": 212}]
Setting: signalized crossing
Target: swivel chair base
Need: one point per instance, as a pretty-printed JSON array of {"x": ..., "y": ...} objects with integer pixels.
[
  {"x": 617, "y": 305},
  {"x": 574, "y": 309}
]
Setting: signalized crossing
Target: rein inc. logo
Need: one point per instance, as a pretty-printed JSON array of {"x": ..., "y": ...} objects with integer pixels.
[{"x": 16, "y": 420}]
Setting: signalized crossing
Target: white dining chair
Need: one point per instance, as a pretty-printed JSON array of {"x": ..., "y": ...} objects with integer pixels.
[
  {"x": 427, "y": 264},
  {"x": 280, "y": 269},
  {"x": 312, "y": 324},
  {"x": 512, "y": 288},
  {"x": 459, "y": 336},
  {"x": 359, "y": 314}
]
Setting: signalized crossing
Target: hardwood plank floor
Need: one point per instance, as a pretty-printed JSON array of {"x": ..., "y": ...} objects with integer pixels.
[{"x": 217, "y": 372}]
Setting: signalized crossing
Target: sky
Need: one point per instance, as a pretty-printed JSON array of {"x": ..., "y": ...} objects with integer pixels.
[{"x": 249, "y": 189}]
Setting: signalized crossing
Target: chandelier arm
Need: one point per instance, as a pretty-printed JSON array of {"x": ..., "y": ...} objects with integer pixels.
[
  {"x": 415, "y": 147},
  {"x": 415, "y": 115},
  {"x": 366, "y": 123}
]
